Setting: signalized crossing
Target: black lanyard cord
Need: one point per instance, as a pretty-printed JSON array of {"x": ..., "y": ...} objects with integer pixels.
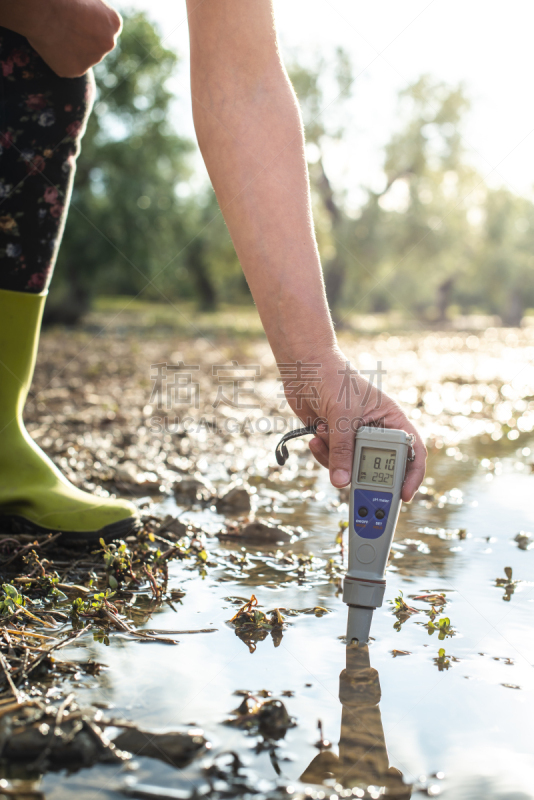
[{"x": 281, "y": 451}]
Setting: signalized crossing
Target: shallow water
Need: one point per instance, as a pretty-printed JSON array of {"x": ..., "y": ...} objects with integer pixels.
[{"x": 463, "y": 732}]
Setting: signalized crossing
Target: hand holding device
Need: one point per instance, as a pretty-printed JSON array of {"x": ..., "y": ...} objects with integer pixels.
[{"x": 380, "y": 459}]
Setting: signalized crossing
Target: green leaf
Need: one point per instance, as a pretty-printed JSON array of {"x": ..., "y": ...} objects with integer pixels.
[
  {"x": 113, "y": 582},
  {"x": 77, "y": 605}
]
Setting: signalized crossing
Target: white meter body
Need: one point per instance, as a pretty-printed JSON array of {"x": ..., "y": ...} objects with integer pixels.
[{"x": 380, "y": 457}]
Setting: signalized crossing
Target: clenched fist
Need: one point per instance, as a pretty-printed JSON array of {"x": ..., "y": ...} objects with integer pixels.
[{"x": 70, "y": 35}]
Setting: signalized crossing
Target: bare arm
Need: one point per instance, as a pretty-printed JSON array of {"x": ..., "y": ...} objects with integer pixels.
[{"x": 250, "y": 133}]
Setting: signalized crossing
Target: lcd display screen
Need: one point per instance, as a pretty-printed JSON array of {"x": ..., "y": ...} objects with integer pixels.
[{"x": 377, "y": 466}]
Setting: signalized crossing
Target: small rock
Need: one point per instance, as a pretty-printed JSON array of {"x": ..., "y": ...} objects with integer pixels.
[
  {"x": 171, "y": 525},
  {"x": 193, "y": 489},
  {"x": 174, "y": 748},
  {"x": 260, "y": 533},
  {"x": 274, "y": 720},
  {"x": 31, "y": 732},
  {"x": 524, "y": 540},
  {"x": 135, "y": 482},
  {"x": 237, "y": 498},
  {"x": 126, "y": 472}
]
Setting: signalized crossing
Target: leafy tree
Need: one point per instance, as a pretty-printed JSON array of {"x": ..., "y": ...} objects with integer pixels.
[
  {"x": 435, "y": 234},
  {"x": 503, "y": 277},
  {"x": 128, "y": 230},
  {"x": 430, "y": 240},
  {"x": 340, "y": 251}
]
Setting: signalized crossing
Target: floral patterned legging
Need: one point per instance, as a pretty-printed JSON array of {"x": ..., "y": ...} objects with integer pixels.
[{"x": 42, "y": 119}]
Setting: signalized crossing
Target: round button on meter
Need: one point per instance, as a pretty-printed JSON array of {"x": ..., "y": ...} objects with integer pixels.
[
  {"x": 380, "y": 514},
  {"x": 362, "y": 511},
  {"x": 365, "y": 553}
]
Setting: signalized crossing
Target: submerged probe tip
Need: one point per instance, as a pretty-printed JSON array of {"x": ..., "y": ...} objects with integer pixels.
[{"x": 359, "y": 624}]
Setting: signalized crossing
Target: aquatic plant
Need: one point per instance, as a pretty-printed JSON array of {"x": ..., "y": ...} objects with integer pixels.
[
  {"x": 402, "y": 610},
  {"x": 442, "y": 626},
  {"x": 508, "y": 583}
]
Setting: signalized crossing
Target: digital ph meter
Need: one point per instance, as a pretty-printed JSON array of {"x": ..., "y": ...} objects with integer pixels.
[{"x": 380, "y": 458}]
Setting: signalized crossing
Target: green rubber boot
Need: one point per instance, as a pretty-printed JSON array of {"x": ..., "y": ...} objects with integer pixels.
[{"x": 35, "y": 497}]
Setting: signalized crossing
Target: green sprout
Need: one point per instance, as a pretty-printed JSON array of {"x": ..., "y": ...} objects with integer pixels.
[
  {"x": 117, "y": 562},
  {"x": 11, "y": 599},
  {"x": 443, "y": 626},
  {"x": 442, "y": 661},
  {"x": 98, "y": 601},
  {"x": 402, "y": 610}
]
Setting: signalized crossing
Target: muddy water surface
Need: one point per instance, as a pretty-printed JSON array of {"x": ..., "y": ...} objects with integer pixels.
[
  {"x": 414, "y": 714},
  {"x": 460, "y": 725}
]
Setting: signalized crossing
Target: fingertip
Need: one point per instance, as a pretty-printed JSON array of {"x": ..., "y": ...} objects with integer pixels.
[{"x": 340, "y": 478}]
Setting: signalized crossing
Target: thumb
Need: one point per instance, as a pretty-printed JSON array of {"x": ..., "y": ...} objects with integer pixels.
[{"x": 341, "y": 451}]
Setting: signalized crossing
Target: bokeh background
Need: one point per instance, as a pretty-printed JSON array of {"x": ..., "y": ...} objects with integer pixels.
[{"x": 420, "y": 134}]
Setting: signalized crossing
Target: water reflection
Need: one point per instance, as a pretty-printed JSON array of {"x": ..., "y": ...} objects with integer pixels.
[{"x": 363, "y": 758}]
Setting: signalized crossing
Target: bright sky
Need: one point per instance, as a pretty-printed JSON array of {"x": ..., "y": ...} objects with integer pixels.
[{"x": 487, "y": 46}]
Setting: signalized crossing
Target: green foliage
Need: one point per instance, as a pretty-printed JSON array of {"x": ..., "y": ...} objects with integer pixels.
[
  {"x": 78, "y": 606},
  {"x": 11, "y": 599},
  {"x": 97, "y": 602},
  {"x": 443, "y": 662},
  {"x": 443, "y": 626},
  {"x": 100, "y": 598},
  {"x": 101, "y": 636},
  {"x": 117, "y": 561},
  {"x": 435, "y": 236},
  {"x": 134, "y": 225},
  {"x": 402, "y": 610}
]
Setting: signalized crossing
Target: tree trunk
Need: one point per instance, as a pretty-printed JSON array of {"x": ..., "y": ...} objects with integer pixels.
[
  {"x": 513, "y": 314},
  {"x": 334, "y": 282},
  {"x": 335, "y": 271},
  {"x": 443, "y": 298},
  {"x": 196, "y": 263},
  {"x": 68, "y": 304}
]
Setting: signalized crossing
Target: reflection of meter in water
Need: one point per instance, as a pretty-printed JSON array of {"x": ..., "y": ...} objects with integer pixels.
[{"x": 375, "y": 499}]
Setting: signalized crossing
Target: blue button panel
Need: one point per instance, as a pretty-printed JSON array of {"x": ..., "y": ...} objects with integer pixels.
[{"x": 368, "y": 525}]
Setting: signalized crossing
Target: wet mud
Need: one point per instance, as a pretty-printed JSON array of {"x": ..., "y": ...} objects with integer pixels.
[{"x": 205, "y": 657}]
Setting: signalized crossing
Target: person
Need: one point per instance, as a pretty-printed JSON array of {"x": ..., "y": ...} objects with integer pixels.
[{"x": 251, "y": 137}]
